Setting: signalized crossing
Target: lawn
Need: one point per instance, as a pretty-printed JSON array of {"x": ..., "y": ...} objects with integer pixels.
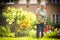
[{"x": 28, "y": 38}]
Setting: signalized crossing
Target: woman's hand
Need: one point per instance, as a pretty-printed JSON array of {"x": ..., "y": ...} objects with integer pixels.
[
  {"x": 44, "y": 22},
  {"x": 38, "y": 14}
]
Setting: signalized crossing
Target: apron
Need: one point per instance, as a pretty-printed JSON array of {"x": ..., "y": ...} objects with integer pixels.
[{"x": 40, "y": 19}]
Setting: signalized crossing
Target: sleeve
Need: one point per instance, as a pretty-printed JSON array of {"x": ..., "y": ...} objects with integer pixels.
[{"x": 37, "y": 10}]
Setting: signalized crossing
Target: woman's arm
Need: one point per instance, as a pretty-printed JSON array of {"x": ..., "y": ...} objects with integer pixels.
[
  {"x": 38, "y": 12},
  {"x": 45, "y": 16}
]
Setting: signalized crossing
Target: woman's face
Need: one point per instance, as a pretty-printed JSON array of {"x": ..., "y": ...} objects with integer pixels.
[{"x": 42, "y": 7}]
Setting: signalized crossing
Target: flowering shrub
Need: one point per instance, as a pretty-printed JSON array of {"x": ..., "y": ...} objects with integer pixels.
[
  {"x": 49, "y": 27},
  {"x": 20, "y": 17},
  {"x": 28, "y": 21}
]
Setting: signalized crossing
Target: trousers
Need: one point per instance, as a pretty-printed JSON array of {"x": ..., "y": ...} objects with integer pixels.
[{"x": 40, "y": 27}]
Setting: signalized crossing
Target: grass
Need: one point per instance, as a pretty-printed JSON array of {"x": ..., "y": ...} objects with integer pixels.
[{"x": 27, "y": 38}]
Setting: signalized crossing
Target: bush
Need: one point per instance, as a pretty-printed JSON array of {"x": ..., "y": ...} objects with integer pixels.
[
  {"x": 22, "y": 33},
  {"x": 4, "y": 31},
  {"x": 57, "y": 26},
  {"x": 32, "y": 33},
  {"x": 52, "y": 34},
  {"x": 20, "y": 17}
]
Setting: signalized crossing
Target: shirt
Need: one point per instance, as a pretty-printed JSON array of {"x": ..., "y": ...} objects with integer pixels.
[{"x": 41, "y": 17}]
